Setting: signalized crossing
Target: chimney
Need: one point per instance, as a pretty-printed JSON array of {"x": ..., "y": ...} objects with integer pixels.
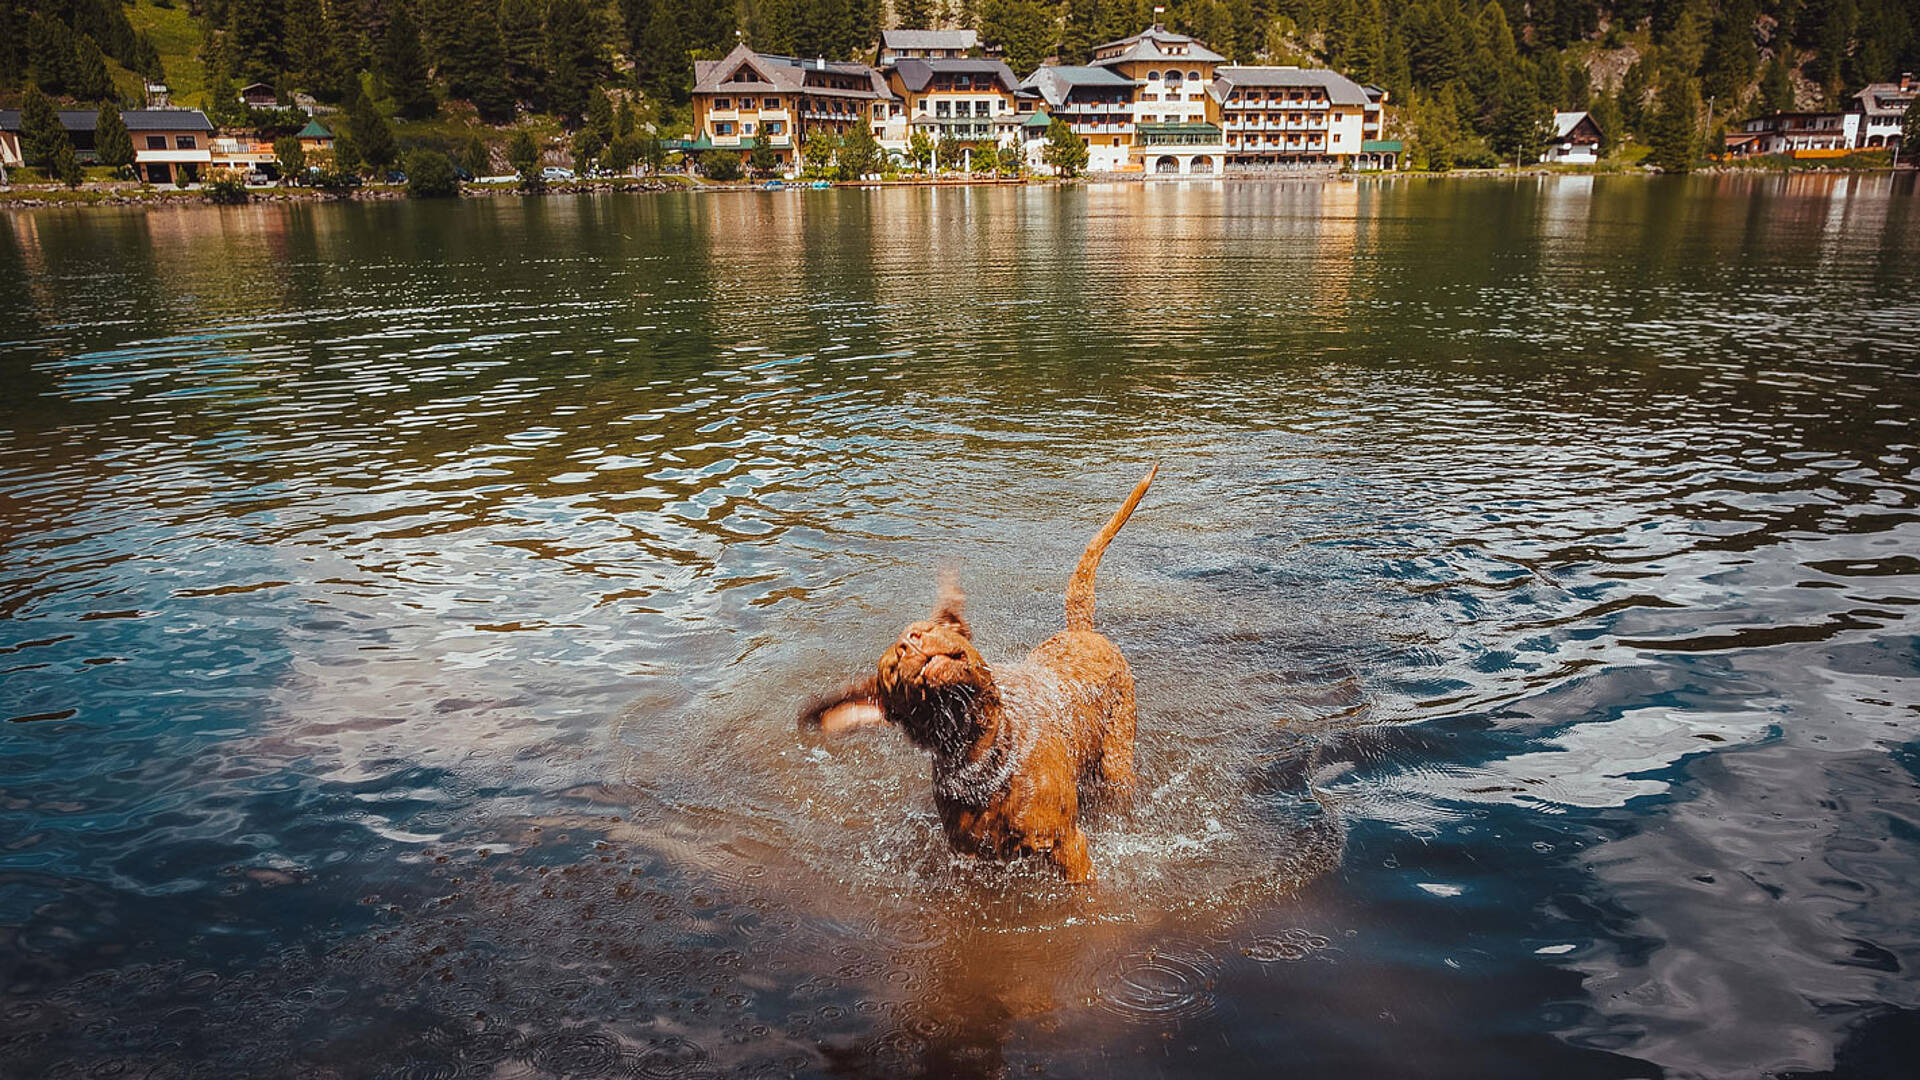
[
  {"x": 1906, "y": 81},
  {"x": 820, "y": 62}
]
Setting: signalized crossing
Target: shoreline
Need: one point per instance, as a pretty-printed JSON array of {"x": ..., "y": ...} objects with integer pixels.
[{"x": 40, "y": 197}]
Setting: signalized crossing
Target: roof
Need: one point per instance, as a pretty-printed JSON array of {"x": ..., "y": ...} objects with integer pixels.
[
  {"x": 1037, "y": 120},
  {"x": 1565, "y": 122},
  {"x": 915, "y": 74},
  {"x": 1054, "y": 82},
  {"x": 1340, "y": 89},
  {"x": 1885, "y": 99},
  {"x": 135, "y": 119},
  {"x": 1155, "y": 43},
  {"x": 314, "y": 130},
  {"x": 783, "y": 74},
  {"x": 928, "y": 39}
]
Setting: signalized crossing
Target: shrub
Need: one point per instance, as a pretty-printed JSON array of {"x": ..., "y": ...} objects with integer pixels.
[
  {"x": 228, "y": 190},
  {"x": 720, "y": 165},
  {"x": 335, "y": 182},
  {"x": 430, "y": 175}
]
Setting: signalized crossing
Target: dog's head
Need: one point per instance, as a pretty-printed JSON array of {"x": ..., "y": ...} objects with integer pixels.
[{"x": 932, "y": 682}]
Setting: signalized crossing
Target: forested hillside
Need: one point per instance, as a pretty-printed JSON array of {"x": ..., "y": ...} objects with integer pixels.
[{"x": 1469, "y": 79}]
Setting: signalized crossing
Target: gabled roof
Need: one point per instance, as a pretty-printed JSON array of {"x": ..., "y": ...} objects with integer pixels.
[
  {"x": 1885, "y": 99},
  {"x": 784, "y": 74},
  {"x": 1155, "y": 43},
  {"x": 135, "y": 119},
  {"x": 916, "y": 74},
  {"x": 1340, "y": 89},
  {"x": 897, "y": 40},
  {"x": 1565, "y": 122},
  {"x": 314, "y": 130},
  {"x": 1054, "y": 82}
]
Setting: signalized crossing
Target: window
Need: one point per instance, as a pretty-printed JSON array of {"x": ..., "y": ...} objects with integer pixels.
[
  {"x": 156, "y": 142},
  {"x": 722, "y": 127},
  {"x": 774, "y": 127},
  {"x": 746, "y": 129},
  {"x": 770, "y": 103},
  {"x": 1193, "y": 76},
  {"x": 723, "y": 103},
  {"x": 940, "y": 108},
  {"x": 1153, "y": 76},
  {"x": 184, "y": 142}
]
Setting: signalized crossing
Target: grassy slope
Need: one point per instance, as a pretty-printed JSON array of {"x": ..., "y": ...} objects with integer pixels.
[{"x": 177, "y": 38}]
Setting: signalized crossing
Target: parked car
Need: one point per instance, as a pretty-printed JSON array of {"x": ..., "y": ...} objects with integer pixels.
[{"x": 555, "y": 172}]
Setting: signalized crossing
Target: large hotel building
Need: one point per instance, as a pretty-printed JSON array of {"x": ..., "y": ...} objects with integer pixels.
[{"x": 1158, "y": 103}]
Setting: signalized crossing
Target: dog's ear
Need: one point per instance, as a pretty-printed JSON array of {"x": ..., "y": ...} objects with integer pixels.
[
  {"x": 855, "y": 706},
  {"x": 951, "y": 607}
]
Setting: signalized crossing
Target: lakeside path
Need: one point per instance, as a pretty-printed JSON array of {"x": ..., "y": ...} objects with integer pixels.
[
  {"x": 126, "y": 194},
  {"x": 31, "y": 197}
]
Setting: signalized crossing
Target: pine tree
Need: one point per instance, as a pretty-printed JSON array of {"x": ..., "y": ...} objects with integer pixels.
[
  {"x": 1634, "y": 87},
  {"x": 660, "y": 66},
  {"x": 256, "y": 36},
  {"x": 476, "y": 157},
  {"x": 65, "y": 165},
  {"x": 1520, "y": 122},
  {"x": 914, "y": 14},
  {"x": 1606, "y": 116},
  {"x": 1776, "y": 88},
  {"x": 1022, "y": 28},
  {"x": 524, "y": 155},
  {"x": 111, "y": 142},
  {"x": 50, "y": 53},
  {"x": 476, "y": 66},
  {"x": 1676, "y": 128},
  {"x": 402, "y": 67},
  {"x": 41, "y": 134},
  {"x": 522, "y": 42},
  {"x": 1080, "y": 31},
  {"x": 310, "y": 52},
  {"x": 573, "y": 59},
  {"x": 1731, "y": 55},
  {"x": 371, "y": 132},
  {"x": 90, "y": 79}
]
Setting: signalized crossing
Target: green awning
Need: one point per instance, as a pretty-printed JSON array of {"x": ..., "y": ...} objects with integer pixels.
[
  {"x": 705, "y": 143},
  {"x": 1380, "y": 146}
]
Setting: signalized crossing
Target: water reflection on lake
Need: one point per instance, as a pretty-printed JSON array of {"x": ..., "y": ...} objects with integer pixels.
[{"x": 404, "y": 608}]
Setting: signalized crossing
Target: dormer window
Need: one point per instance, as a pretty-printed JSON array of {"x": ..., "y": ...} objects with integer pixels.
[{"x": 1153, "y": 76}]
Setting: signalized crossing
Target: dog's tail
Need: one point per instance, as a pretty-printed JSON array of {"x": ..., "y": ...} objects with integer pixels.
[{"x": 1080, "y": 586}]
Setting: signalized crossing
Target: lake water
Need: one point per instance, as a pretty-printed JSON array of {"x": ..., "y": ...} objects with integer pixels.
[{"x": 405, "y": 607}]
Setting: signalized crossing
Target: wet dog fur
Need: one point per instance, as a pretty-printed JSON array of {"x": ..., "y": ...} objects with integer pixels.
[{"x": 1018, "y": 754}]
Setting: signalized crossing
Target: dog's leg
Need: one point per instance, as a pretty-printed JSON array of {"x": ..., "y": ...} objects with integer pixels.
[
  {"x": 1069, "y": 853},
  {"x": 1116, "y": 750}
]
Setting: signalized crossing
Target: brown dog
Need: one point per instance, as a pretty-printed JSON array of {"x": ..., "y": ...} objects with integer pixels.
[{"x": 1015, "y": 756}]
